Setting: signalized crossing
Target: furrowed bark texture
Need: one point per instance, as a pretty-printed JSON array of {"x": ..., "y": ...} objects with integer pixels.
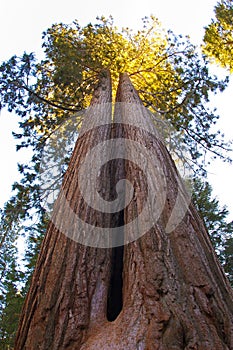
[
  {"x": 175, "y": 293},
  {"x": 165, "y": 290},
  {"x": 68, "y": 293}
]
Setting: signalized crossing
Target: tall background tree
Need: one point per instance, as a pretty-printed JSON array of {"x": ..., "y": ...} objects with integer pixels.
[{"x": 170, "y": 75}]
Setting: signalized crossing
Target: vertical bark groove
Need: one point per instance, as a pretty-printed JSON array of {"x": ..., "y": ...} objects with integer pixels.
[{"x": 115, "y": 300}]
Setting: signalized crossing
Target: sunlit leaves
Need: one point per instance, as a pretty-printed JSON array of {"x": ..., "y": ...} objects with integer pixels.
[
  {"x": 218, "y": 37},
  {"x": 167, "y": 71}
]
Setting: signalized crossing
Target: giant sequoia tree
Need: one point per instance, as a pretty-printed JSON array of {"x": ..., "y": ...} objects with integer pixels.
[
  {"x": 165, "y": 290},
  {"x": 170, "y": 77}
]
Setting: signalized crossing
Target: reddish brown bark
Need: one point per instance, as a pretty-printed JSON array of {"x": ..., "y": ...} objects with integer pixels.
[
  {"x": 175, "y": 294},
  {"x": 68, "y": 293}
]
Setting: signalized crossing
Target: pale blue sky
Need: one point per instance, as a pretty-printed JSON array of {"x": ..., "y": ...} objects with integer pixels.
[{"x": 21, "y": 26}]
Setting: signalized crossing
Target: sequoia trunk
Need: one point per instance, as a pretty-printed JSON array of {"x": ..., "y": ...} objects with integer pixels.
[
  {"x": 164, "y": 289},
  {"x": 68, "y": 293}
]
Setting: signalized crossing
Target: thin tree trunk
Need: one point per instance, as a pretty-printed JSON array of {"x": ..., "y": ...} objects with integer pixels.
[{"x": 164, "y": 289}]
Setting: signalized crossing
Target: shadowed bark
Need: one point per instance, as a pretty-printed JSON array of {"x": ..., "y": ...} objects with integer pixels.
[{"x": 165, "y": 290}]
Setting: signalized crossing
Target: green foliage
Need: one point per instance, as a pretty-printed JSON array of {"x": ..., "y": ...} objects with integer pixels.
[
  {"x": 13, "y": 301},
  {"x": 167, "y": 71},
  {"x": 171, "y": 77},
  {"x": 228, "y": 258},
  {"x": 216, "y": 222},
  {"x": 16, "y": 276},
  {"x": 218, "y": 37},
  {"x": 10, "y": 278},
  {"x": 35, "y": 234}
]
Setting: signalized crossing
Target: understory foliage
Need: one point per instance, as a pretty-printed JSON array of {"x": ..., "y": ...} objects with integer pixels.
[
  {"x": 172, "y": 79},
  {"x": 218, "y": 39},
  {"x": 10, "y": 298},
  {"x": 216, "y": 221}
]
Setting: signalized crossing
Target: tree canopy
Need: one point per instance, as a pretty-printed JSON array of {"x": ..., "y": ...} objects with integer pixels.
[
  {"x": 218, "y": 39},
  {"x": 169, "y": 73}
]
